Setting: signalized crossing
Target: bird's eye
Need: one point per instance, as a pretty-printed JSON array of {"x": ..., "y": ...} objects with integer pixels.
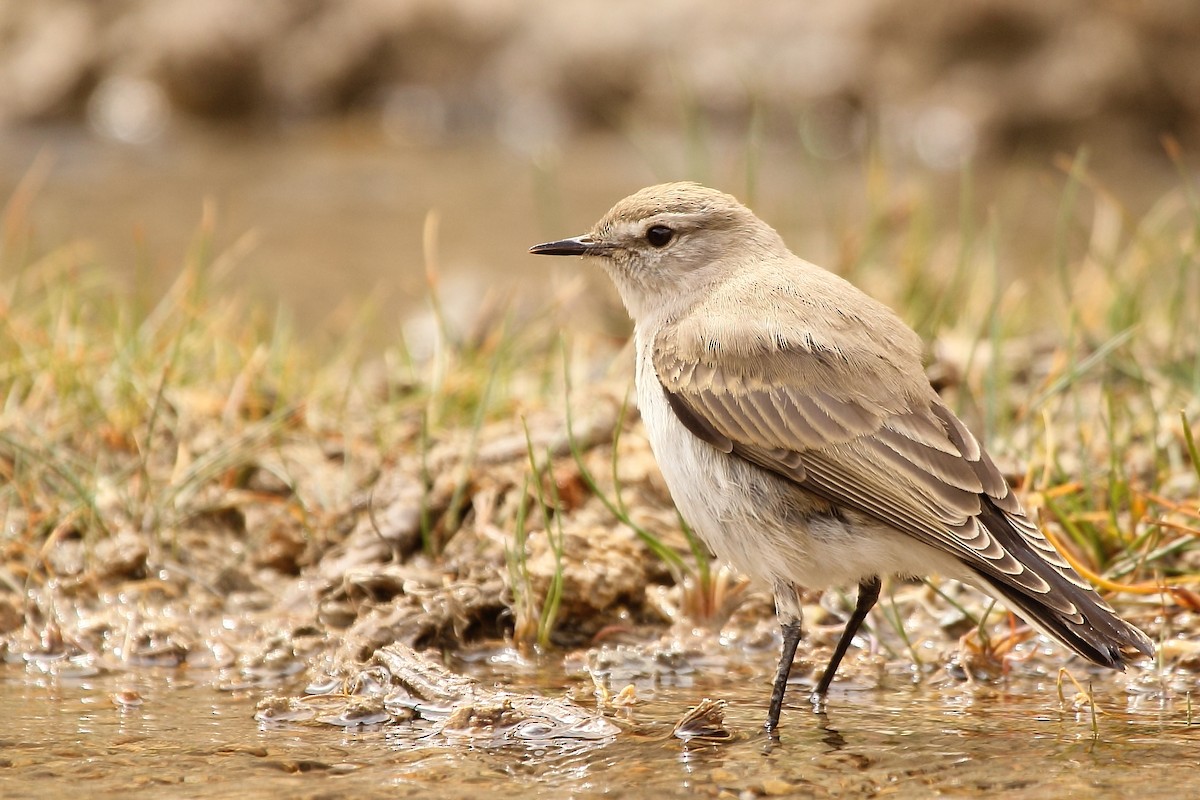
[{"x": 659, "y": 235}]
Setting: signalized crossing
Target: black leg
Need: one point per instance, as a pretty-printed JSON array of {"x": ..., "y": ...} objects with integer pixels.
[
  {"x": 791, "y": 638},
  {"x": 868, "y": 593}
]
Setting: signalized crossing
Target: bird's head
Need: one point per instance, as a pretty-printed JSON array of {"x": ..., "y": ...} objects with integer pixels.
[{"x": 664, "y": 245}]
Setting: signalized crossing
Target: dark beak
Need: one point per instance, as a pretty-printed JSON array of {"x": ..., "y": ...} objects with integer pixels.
[{"x": 576, "y": 246}]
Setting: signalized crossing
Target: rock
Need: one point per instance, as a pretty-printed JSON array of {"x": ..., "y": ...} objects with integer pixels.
[{"x": 48, "y": 61}]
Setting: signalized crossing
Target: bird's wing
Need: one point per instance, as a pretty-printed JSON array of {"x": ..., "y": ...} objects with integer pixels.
[{"x": 863, "y": 432}]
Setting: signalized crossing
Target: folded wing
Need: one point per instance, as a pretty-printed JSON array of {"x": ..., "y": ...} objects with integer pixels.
[{"x": 883, "y": 444}]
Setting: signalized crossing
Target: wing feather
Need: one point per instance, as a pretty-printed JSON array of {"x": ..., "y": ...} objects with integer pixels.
[{"x": 891, "y": 450}]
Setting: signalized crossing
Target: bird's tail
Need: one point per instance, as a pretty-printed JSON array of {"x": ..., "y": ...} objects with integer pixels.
[
  {"x": 1071, "y": 612},
  {"x": 1096, "y": 633}
]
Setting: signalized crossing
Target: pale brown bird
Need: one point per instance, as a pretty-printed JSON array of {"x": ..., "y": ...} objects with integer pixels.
[{"x": 798, "y": 433}]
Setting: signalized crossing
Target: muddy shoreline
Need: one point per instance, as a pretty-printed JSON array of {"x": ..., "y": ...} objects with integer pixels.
[{"x": 309, "y": 564}]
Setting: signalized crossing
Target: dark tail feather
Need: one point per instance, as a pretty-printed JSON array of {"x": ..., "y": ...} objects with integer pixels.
[{"x": 1100, "y": 636}]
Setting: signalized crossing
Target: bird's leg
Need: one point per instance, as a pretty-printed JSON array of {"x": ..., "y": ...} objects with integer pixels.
[
  {"x": 868, "y": 593},
  {"x": 791, "y": 638},
  {"x": 787, "y": 608}
]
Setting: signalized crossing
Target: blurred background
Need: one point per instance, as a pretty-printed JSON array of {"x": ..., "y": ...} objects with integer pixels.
[{"x": 324, "y": 132}]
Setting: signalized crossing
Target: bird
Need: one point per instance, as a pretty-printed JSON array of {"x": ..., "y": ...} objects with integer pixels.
[{"x": 800, "y": 438}]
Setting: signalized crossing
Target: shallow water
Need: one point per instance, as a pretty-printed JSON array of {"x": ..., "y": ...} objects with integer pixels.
[{"x": 165, "y": 733}]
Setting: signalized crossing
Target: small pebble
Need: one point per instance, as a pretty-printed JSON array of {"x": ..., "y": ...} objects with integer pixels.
[{"x": 774, "y": 787}]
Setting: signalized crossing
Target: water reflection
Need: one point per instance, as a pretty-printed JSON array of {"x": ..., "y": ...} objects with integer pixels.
[{"x": 901, "y": 741}]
